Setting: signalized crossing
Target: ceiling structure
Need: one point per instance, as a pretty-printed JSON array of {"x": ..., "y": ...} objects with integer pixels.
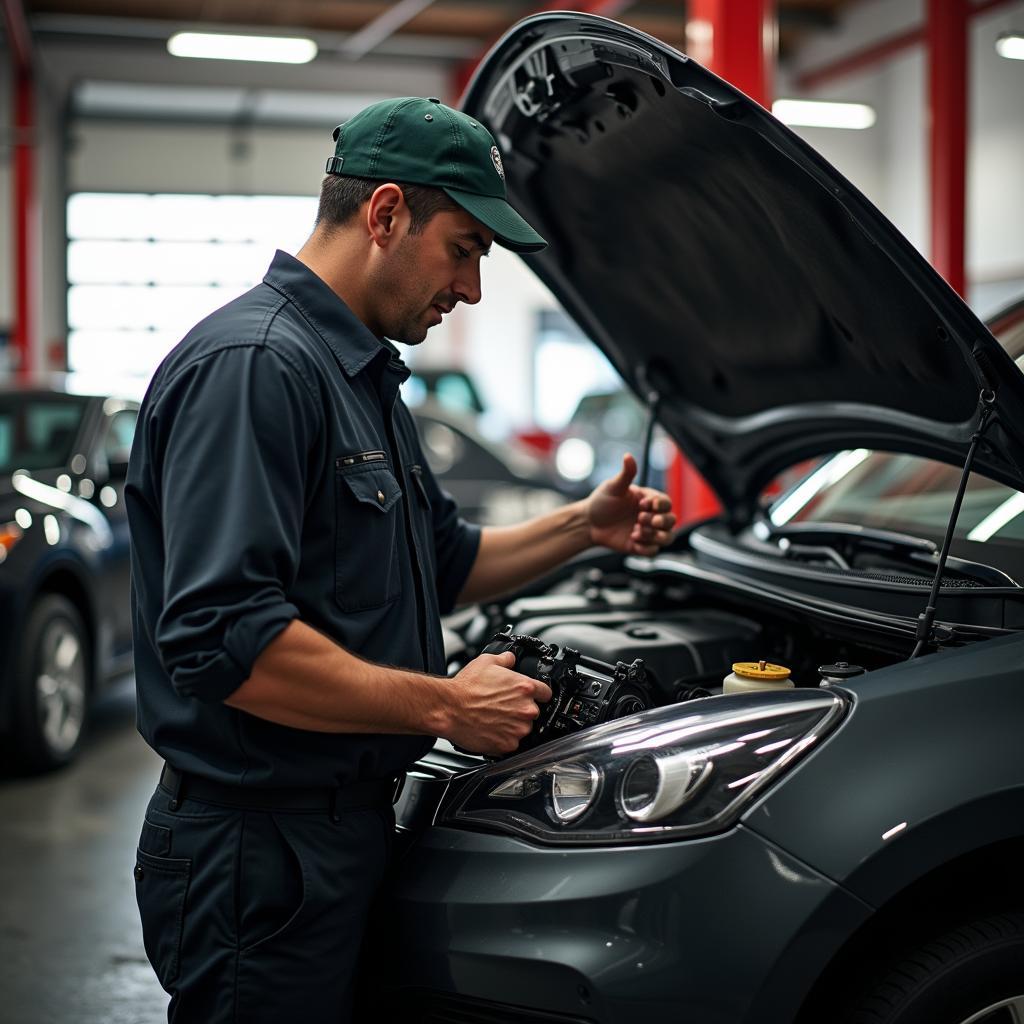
[
  {"x": 444, "y": 29},
  {"x": 107, "y": 59}
]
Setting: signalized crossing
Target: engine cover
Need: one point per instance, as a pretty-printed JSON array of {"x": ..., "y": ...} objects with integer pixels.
[{"x": 679, "y": 650}]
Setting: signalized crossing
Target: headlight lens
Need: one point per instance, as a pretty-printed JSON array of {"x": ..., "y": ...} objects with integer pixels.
[
  {"x": 653, "y": 786},
  {"x": 573, "y": 788},
  {"x": 689, "y": 769}
]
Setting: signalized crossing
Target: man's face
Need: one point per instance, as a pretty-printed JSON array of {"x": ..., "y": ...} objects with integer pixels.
[{"x": 423, "y": 276}]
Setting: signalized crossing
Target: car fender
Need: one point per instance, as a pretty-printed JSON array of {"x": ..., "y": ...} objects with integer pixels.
[{"x": 928, "y": 767}]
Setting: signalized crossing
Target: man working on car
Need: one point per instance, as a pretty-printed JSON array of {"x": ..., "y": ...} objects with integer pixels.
[{"x": 292, "y": 556}]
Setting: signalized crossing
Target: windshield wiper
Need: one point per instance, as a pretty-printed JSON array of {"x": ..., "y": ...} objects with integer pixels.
[
  {"x": 868, "y": 536},
  {"x": 801, "y": 540}
]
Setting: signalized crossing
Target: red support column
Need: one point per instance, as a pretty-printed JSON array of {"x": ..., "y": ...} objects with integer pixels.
[
  {"x": 25, "y": 221},
  {"x": 737, "y": 40},
  {"x": 946, "y": 36},
  {"x": 25, "y": 214}
]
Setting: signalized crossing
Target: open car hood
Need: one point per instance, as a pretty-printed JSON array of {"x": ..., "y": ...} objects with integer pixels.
[{"x": 720, "y": 261}]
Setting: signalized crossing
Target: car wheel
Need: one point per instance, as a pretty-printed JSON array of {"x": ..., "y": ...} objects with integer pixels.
[
  {"x": 52, "y": 685},
  {"x": 970, "y": 974}
]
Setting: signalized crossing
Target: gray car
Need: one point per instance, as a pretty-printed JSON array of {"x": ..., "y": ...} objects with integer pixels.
[{"x": 841, "y": 845}]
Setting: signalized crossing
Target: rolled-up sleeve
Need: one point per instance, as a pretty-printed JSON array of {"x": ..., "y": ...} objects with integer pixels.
[{"x": 230, "y": 438}]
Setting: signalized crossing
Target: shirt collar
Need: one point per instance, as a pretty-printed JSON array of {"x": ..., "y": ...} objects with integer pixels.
[{"x": 351, "y": 341}]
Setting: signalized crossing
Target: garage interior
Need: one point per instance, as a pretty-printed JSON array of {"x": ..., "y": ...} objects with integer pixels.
[{"x": 141, "y": 190}]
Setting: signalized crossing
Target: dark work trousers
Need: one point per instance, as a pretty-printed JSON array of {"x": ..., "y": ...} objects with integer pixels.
[{"x": 258, "y": 916}]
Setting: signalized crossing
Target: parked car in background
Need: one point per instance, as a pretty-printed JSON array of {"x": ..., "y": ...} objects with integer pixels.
[
  {"x": 781, "y": 778},
  {"x": 449, "y": 389},
  {"x": 493, "y": 485},
  {"x": 605, "y": 426},
  {"x": 65, "y": 629}
]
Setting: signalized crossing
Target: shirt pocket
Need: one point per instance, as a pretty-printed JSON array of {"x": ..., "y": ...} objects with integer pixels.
[{"x": 368, "y": 532}]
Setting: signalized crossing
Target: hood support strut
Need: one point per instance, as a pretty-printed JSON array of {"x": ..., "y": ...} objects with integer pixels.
[
  {"x": 652, "y": 399},
  {"x": 927, "y": 633}
]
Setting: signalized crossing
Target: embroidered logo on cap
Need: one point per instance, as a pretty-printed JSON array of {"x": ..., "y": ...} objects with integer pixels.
[{"x": 496, "y": 160}]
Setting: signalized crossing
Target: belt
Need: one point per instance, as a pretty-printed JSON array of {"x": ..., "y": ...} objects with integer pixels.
[{"x": 353, "y": 796}]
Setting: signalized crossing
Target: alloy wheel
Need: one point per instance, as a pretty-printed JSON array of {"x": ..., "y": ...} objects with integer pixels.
[
  {"x": 1006, "y": 1011},
  {"x": 61, "y": 685}
]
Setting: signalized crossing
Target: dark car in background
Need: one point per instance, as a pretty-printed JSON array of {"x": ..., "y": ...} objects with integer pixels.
[
  {"x": 810, "y": 809},
  {"x": 603, "y": 427},
  {"x": 493, "y": 485},
  {"x": 65, "y": 629},
  {"x": 449, "y": 389}
]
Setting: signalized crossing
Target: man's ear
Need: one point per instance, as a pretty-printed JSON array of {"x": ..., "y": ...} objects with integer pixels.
[{"x": 385, "y": 213}]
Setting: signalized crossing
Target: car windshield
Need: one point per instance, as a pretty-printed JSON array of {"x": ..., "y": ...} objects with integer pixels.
[
  {"x": 37, "y": 431},
  {"x": 912, "y": 495},
  {"x": 905, "y": 494}
]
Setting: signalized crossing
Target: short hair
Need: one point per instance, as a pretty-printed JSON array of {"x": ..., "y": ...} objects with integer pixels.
[{"x": 341, "y": 198}]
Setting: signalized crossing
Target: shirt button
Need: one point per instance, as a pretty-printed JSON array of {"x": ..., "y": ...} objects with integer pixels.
[{"x": 380, "y": 497}]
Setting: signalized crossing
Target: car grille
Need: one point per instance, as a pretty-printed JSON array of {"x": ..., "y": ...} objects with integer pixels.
[{"x": 442, "y": 1008}]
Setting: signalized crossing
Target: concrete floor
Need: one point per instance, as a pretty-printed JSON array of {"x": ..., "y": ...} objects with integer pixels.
[{"x": 70, "y": 941}]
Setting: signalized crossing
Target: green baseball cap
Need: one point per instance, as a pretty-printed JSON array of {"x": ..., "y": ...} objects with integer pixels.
[{"x": 423, "y": 142}]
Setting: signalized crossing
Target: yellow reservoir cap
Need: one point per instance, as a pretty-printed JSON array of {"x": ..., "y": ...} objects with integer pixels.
[{"x": 760, "y": 670}]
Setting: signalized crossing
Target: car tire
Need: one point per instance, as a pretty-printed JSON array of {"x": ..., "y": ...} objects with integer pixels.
[
  {"x": 972, "y": 973},
  {"x": 51, "y": 680}
]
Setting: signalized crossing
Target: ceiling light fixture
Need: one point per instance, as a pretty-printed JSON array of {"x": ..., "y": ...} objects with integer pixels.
[
  {"x": 824, "y": 114},
  {"x": 215, "y": 46},
  {"x": 1011, "y": 45}
]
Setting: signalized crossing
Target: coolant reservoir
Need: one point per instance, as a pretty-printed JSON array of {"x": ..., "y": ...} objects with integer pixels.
[{"x": 756, "y": 675}]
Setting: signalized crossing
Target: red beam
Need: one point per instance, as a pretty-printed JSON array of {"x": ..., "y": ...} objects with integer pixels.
[
  {"x": 947, "y": 102},
  {"x": 866, "y": 58},
  {"x": 878, "y": 52}
]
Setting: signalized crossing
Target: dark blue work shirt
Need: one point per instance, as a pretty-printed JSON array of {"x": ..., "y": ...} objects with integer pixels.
[{"x": 275, "y": 475}]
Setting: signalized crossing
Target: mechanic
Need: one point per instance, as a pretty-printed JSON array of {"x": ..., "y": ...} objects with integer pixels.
[{"x": 292, "y": 555}]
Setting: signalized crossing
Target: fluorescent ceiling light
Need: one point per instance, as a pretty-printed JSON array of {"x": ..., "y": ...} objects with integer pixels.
[
  {"x": 824, "y": 114},
  {"x": 214, "y": 46},
  {"x": 1011, "y": 45},
  {"x": 824, "y": 476},
  {"x": 998, "y": 518}
]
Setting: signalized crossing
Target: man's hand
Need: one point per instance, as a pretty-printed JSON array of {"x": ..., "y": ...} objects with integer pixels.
[
  {"x": 493, "y": 707},
  {"x": 630, "y": 519}
]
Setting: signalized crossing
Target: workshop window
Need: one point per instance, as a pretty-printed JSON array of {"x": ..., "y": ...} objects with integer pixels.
[
  {"x": 567, "y": 366},
  {"x": 142, "y": 269}
]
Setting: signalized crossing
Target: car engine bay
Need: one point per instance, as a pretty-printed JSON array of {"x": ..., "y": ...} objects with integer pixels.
[
  {"x": 684, "y": 644},
  {"x": 614, "y": 636}
]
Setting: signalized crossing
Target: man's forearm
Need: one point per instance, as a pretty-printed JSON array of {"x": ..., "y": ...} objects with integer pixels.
[
  {"x": 306, "y": 681},
  {"x": 510, "y": 556}
]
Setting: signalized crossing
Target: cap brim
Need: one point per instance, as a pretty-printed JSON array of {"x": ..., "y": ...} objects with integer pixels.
[{"x": 510, "y": 230}]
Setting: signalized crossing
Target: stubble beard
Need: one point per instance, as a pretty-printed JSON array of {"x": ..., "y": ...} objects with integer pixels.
[{"x": 400, "y": 321}]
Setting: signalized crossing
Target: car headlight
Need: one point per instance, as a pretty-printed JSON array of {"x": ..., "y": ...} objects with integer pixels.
[
  {"x": 10, "y": 534},
  {"x": 684, "y": 770}
]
